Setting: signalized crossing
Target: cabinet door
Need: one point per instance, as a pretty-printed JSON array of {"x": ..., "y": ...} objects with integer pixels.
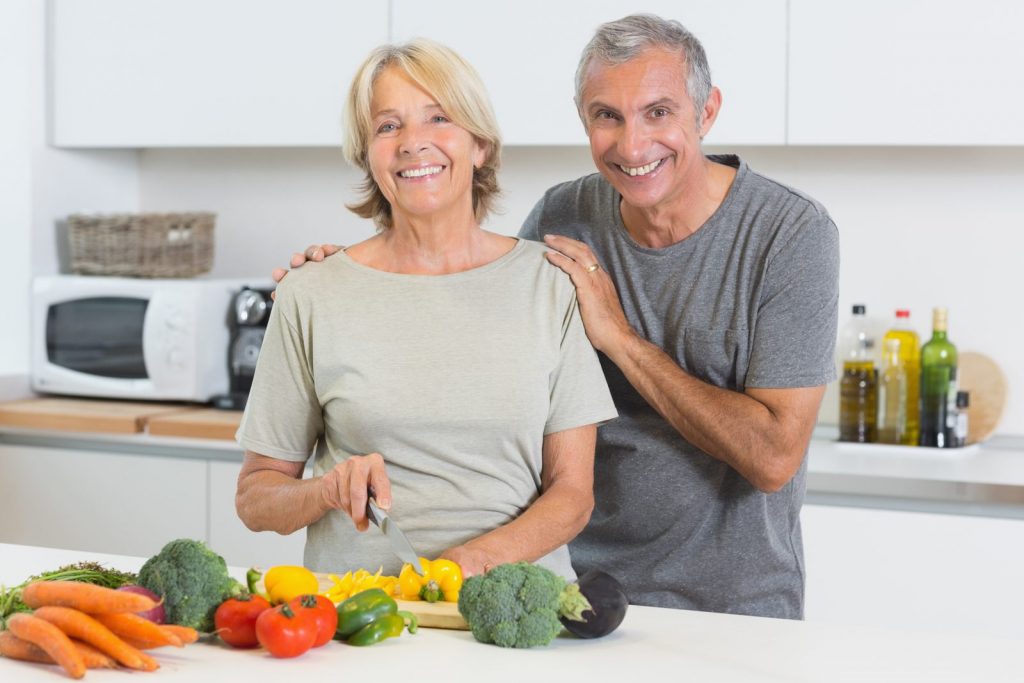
[
  {"x": 239, "y": 546},
  {"x": 527, "y": 52},
  {"x": 912, "y": 570},
  {"x": 124, "y": 504},
  {"x": 151, "y": 73},
  {"x": 916, "y": 72}
]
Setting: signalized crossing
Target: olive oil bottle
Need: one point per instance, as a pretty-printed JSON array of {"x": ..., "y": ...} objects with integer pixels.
[
  {"x": 938, "y": 386},
  {"x": 903, "y": 416},
  {"x": 858, "y": 385}
]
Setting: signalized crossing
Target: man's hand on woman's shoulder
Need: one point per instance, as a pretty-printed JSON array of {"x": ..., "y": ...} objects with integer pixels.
[{"x": 314, "y": 252}]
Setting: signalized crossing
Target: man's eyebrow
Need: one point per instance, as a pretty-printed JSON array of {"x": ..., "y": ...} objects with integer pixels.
[{"x": 660, "y": 102}]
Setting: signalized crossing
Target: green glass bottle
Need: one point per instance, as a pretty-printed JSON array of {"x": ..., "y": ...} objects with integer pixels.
[{"x": 938, "y": 386}]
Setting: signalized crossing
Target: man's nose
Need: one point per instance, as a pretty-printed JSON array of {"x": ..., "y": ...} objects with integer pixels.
[{"x": 633, "y": 141}]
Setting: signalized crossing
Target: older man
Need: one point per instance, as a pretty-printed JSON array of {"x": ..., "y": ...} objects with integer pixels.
[{"x": 711, "y": 293}]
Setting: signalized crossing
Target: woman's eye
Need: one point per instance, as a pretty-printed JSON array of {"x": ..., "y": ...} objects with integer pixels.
[
  {"x": 385, "y": 128},
  {"x": 439, "y": 118}
]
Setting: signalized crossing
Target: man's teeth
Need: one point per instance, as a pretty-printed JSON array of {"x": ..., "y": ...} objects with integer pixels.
[
  {"x": 641, "y": 170},
  {"x": 420, "y": 172}
]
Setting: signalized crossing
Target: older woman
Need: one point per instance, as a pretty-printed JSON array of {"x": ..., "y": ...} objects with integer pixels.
[{"x": 440, "y": 364}]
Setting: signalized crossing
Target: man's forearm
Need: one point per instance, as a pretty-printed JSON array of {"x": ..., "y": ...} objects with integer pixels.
[
  {"x": 273, "y": 501},
  {"x": 727, "y": 425}
]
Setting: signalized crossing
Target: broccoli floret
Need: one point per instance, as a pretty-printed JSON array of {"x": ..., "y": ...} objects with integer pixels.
[
  {"x": 518, "y": 605},
  {"x": 192, "y": 579}
]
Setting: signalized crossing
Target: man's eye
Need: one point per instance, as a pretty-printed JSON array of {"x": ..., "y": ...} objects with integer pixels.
[
  {"x": 660, "y": 112},
  {"x": 604, "y": 116}
]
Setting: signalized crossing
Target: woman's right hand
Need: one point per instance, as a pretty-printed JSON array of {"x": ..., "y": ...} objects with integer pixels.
[
  {"x": 346, "y": 486},
  {"x": 314, "y": 252}
]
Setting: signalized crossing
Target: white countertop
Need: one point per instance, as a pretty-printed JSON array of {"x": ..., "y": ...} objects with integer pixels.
[{"x": 651, "y": 643}]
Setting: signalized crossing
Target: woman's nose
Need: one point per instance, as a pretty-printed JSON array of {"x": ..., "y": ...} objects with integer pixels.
[{"x": 412, "y": 142}]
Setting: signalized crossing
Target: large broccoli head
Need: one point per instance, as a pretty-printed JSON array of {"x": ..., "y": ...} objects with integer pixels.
[
  {"x": 514, "y": 605},
  {"x": 193, "y": 581}
]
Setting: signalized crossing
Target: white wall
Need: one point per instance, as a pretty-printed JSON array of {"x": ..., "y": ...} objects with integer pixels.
[
  {"x": 920, "y": 227},
  {"x": 15, "y": 182}
]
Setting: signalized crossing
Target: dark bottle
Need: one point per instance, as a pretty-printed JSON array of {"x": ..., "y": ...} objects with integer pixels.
[
  {"x": 858, "y": 386},
  {"x": 938, "y": 386}
]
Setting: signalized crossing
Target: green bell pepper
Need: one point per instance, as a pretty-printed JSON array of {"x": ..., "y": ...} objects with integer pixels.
[
  {"x": 386, "y": 627},
  {"x": 362, "y": 609}
]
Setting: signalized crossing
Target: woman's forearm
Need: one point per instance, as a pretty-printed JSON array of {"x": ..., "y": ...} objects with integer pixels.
[
  {"x": 272, "y": 497},
  {"x": 554, "y": 519}
]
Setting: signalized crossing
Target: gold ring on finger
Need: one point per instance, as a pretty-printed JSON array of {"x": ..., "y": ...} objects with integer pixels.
[{"x": 592, "y": 267}]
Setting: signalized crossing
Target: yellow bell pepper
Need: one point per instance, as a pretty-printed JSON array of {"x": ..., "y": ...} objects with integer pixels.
[
  {"x": 285, "y": 582},
  {"x": 440, "y": 579},
  {"x": 348, "y": 585}
]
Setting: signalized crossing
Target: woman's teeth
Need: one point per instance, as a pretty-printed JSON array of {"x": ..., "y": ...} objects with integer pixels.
[
  {"x": 641, "y": 170},
  {"x": 420, "y": 172}
]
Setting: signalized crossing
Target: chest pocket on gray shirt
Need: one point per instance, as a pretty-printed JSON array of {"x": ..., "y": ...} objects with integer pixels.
[{"x": 718, "y": 357}]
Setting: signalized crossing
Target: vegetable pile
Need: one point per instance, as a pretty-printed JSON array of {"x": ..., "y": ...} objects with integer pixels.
[
  {"x": 85, "y": 572},
  {"x": 524, "y": 605},
  {"x": 80, "y": 626}
]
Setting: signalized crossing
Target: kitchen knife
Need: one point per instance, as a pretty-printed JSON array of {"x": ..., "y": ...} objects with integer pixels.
[{"x": 399, "y": 543}]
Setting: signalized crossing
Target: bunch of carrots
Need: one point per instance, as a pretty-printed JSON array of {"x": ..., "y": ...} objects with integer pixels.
[{"x": 83, "y": 626}]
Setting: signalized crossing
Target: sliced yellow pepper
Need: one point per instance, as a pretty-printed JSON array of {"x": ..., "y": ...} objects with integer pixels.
[
  {"x": 285, "y": 582},
  {"x": 441, "y": 579},
  {"x": 348, "y": 585}
]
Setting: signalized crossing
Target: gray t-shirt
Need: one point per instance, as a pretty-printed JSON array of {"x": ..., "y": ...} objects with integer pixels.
[
  {"x": 454, "y": 379},
  {"x": 749, "y": 300}
]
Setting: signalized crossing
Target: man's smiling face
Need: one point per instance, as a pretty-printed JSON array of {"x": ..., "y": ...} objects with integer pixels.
[{"x": 644, "y": 131}]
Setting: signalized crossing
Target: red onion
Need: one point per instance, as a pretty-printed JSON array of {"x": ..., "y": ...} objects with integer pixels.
[{"x": 156, "y": 615}]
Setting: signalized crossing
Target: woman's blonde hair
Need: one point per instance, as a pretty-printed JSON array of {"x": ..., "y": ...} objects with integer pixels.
[{"x": 456, "y": 86}]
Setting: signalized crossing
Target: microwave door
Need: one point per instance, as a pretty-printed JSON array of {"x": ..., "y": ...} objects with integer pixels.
[{"x": 97, "y": 336}]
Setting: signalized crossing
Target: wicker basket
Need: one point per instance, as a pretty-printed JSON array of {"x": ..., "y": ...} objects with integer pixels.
[{"x": 141, "y": 245}]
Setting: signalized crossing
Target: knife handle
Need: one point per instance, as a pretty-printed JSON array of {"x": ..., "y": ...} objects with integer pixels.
[{"x": 373, "y": 513}]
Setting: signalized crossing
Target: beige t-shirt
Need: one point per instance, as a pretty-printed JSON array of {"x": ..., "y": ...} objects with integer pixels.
[{"x": 454, "y": 379}]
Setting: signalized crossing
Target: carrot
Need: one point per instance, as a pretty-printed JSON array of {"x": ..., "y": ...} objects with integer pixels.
[
  {"x": 139, "y": 630},
  {"x": 85, "y": 597},
  {"x": 80, "y": 625},
  {"x": 93, "y": 658},
  {"x": 14, "y": 647},
  {"x": 185, "y": 634},
  {"x": 50, "y": 639}
]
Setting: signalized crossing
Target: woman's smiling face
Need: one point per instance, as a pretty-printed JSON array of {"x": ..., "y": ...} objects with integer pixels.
[{"x": 422, "y": 161}]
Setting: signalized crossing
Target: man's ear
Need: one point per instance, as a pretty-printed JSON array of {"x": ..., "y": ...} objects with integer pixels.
[{"x": 710, "y": 112}]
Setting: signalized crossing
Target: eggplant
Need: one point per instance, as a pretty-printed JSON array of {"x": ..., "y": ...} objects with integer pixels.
[{"x": 608, "y": 604}]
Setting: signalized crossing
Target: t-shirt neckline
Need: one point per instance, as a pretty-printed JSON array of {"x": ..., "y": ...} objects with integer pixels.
[{"x": 445, "y": 277}]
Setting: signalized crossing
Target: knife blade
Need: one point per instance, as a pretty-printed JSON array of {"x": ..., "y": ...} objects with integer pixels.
[{"x": 400, "y": 545}]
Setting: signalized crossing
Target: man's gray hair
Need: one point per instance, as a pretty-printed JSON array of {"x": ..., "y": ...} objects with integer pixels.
[{"x": 619, "y": 41}]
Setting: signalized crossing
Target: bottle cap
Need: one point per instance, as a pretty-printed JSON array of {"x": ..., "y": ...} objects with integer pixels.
[
  {"x": 963, "y": 399},
  {"x": 902, "y": 312},
  {"x": 939, "y": 319},
  {"x": 859, "y": 309}
]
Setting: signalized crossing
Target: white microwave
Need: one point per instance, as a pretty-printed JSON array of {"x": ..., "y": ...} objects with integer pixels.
[{"x": 131, "y": 338}]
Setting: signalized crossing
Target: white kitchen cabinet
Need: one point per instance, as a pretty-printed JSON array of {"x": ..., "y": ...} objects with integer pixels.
[
  {"x": 914, "y": 72},
  {"x": 527, "y": 52},
  {"x": 911, "y": 570},
  {"x": 154, "y": 73},
  {"x": 239, "y": 546},
  {"x": 103, "y": 502}
]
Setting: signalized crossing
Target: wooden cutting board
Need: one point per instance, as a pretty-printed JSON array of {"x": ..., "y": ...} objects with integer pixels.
[
  {"x": 203, "y": 423},
  {"x": 986, "y": 382},
  {"x": 428, "y": 615},
  {"x": 83, "y": 415}
]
